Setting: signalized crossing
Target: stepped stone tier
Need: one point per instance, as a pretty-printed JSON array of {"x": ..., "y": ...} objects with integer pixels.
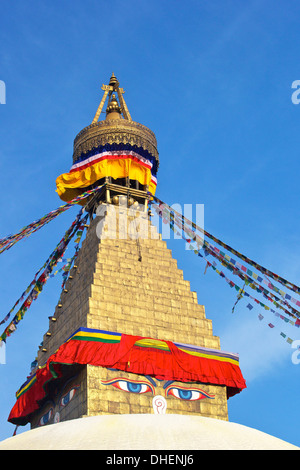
[{"x": 128, "y": 335}]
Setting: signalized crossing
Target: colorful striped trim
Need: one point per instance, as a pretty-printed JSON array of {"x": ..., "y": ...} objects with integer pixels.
[
  {"x": 117, "y": 155},
  {"x": 88, "y": 334},
  {"x": 26, "y": 386},
  {"x": 110, "y": 155},
  {"x": 116, "y": 147}
]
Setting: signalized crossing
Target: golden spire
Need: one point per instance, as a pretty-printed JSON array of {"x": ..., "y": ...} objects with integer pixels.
[
  {"x": 113, "y": 110},
  {"x": 108, "y": 90},
  {"x": 113, "y": 82},
  {"x": 116, "y": 127}
]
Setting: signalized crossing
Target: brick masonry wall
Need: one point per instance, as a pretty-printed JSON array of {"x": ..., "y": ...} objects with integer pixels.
[{"x": 132, "y": 286}]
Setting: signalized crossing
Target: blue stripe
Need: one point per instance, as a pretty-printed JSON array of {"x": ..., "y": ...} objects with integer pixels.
[{"x": 117, "y": 147}]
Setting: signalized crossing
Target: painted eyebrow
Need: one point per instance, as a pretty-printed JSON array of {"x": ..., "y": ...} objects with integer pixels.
[
  {"x": 146, "y": 376},
  {"x": 151, "y": 380},
  {"x": 169, "y": 382}
]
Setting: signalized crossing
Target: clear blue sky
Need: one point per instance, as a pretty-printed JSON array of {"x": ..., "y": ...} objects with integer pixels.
[{"x": 213, "y": 81}]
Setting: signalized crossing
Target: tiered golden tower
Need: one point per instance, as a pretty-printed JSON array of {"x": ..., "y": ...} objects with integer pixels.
[{"x": 125, "y": 285}]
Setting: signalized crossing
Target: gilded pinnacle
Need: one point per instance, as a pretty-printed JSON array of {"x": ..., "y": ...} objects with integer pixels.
[
  {"x": 113, "y": 82},
  {"x": 113, "y": 107}
]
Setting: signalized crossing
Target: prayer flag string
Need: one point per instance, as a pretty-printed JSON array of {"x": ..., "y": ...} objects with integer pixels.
[
  {"x": 70, "y": 263},
  {"x": 260, "y": 268},
  {"x": 66, "y": 268},
  {"x": 7, "y": 242},
  {"x": 242, "y": 275},
  {"x": 38, "y": 284},
  {"x": 167, "y": 214},
  {"x": 282, "y": 304}
]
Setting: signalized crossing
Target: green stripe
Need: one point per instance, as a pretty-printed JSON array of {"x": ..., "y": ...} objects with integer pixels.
[
  {"x": 93, "y": 338},
  {"x": 26, "y": 388}
]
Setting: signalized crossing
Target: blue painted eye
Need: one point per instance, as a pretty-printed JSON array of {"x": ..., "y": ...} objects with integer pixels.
[
  {"x": 68, "y": 397},
  {"x": 133, "y": 386},
  {"x": 65, "y": 400},
  {"x": 46, "y": 418},
  {"x": 187, "y": 394}
]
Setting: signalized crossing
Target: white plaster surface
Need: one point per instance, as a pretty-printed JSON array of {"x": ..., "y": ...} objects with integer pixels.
[{"x": 145, "y": 432}]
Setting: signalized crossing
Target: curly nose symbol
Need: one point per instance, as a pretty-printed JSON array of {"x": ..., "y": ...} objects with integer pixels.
[{"x": 159, "y": 405}]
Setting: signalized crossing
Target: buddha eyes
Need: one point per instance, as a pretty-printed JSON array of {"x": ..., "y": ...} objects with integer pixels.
[
  {"x": 133, "y": 386},
  {"x": 139, "y": 387},
  {"x": 46, "y": 418},
  {"x": 68, "y": 397},
  {"x": 187, "y": 394},
  {"x": 63, "y": 401},
  {"x": 184, "y": 394}
]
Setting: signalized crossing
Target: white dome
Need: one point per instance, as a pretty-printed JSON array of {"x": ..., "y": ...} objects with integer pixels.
[{"x": 145, "y": 432}]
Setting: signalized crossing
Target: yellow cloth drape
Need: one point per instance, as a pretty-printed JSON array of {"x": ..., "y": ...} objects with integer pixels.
[{"x": 70, "y": 185}]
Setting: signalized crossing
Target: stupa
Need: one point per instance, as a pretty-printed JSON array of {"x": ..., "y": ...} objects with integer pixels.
[{"x": 128, "y": 336}]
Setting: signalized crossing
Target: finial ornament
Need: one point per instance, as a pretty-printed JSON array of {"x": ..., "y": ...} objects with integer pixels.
[
  {"x": 113, "y": 82},
  {"x": 108, "y": 90},
  {"x": 113, "y": 106}
]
